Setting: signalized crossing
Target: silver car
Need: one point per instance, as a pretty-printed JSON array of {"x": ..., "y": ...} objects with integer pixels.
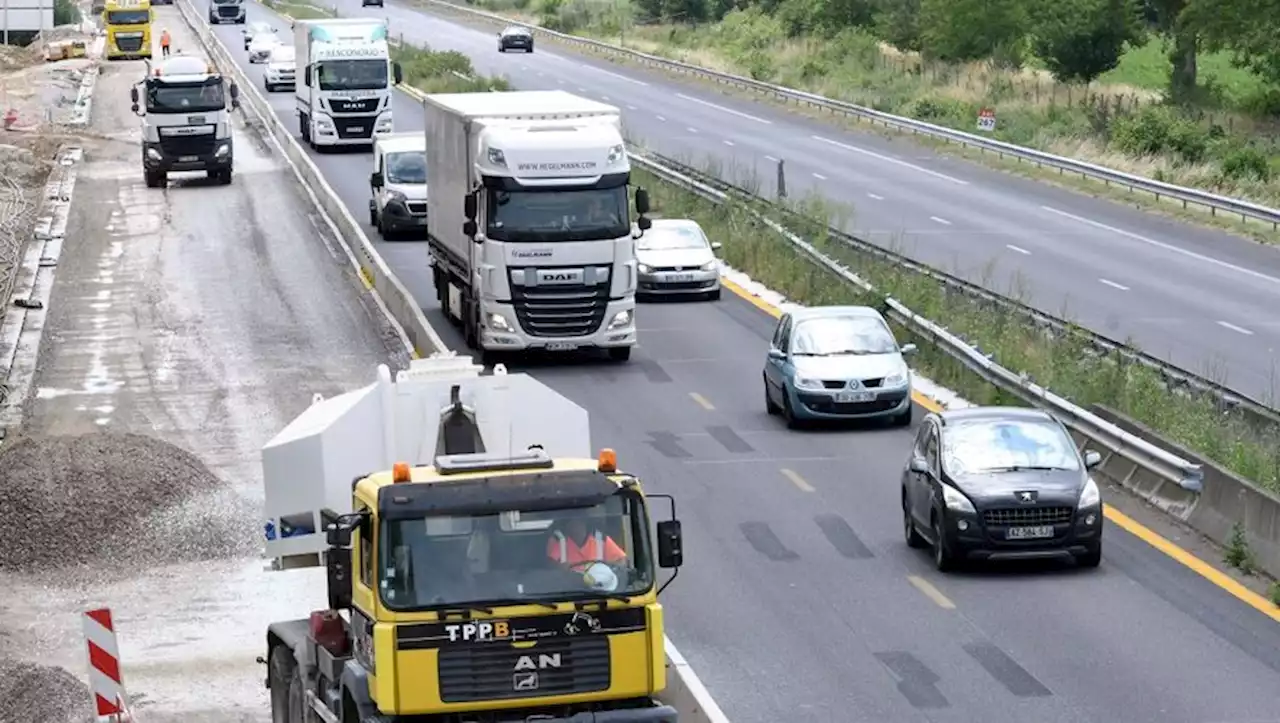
[{"x": 676, "y": 257}]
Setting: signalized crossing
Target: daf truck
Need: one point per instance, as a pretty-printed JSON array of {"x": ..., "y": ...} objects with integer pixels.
[
  {"x": 226, "y": 11},
  {"x": 128, "y": 27},
  {"x": 345, "y": 80},
  {"x": 529, "y": 222},
  {"x": 185, "y": 107},
  {"x": 448, "y": 515}
]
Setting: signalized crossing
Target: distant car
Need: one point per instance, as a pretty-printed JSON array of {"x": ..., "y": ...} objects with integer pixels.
[
  {"x": 370, "y": 3},
  {"x": 255, "y": 30},
  {"x": 676, "y": 257},
  {"x": 837, "y": 362},
  {"x": 1000, "y": 483},
  {"x": 515, "y": 37},
  {"x": 399, "y": 185},
  {"x": 261, "y": 47},
  {"x": 282, "y": 68}
]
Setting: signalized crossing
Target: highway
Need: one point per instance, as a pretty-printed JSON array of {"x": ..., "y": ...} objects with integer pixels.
[
  {"x": 1201, "y": 298},
  {"x": 800, "y": 600}
]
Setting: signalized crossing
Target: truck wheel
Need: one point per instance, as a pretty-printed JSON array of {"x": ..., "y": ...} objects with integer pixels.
[
  {"x": 222, "y": 177},
  {"x": 299, "y": 711},
  {"x": 154, "y": 179},
  {"x": 280, "y": 673},
  {"x": 620, "y": 353}
]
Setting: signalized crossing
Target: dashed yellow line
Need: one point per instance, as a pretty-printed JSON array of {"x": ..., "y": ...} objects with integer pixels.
[
  {"x": 795, "y": 479},
  {"x": 931, "y": 592},
  {"x": 702, "y": 401}
]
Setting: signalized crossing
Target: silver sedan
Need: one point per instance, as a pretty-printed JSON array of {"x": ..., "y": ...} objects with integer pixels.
[{"x": 676, "y": 257}]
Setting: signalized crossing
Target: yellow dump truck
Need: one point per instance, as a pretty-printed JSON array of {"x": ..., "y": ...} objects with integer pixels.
[
  {"x": 128, "y": 26},
  {"x": 485, "y": 565}
]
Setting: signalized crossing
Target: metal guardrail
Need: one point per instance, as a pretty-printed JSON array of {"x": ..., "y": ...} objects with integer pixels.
[
  {"x": 1187, "y": 196},
  {"x": 1185, "y": 474}
]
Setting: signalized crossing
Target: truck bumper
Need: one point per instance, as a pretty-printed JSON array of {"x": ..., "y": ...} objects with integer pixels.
[
  {"x": 617, "y": 330},
  {"x": 155, "y": 159},
  {"x": 656, "y": 714}
]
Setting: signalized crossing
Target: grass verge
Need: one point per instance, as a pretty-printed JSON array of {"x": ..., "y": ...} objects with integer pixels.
[
  {"x": 447, "y": 71},
  {"x": 1064, "y": 363},
  {"x": 300, "y": 11}
]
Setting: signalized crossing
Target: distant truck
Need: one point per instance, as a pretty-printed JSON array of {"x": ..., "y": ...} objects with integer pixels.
[
  {"x": 226, "y": 11},
  {"x": 532, "y": 242},
  {"x": 186, "y": 124},
  {"x": 345, "y": 80},
  {"x": 128, "y": 28}
]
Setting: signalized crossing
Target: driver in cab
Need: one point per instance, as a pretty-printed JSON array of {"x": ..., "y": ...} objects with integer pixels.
[{"x": 573, "y": 544}]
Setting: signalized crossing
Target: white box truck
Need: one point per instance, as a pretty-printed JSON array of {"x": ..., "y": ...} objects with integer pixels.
[
  {"x": 532, "y": 241},
  {"x": 345, "y": 77}
]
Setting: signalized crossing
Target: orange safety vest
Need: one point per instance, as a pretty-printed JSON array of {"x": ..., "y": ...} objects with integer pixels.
[
  {"x": 597, "y": 548},
  {"x": 164, "y": 39}
]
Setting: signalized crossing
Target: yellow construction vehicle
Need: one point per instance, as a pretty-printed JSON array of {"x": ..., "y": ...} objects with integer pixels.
[
  {"x": 491, "y": 570},
  {"x": 128, "y": 26}
]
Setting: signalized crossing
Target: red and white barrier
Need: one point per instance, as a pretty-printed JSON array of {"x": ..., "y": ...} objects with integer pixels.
[{"x": 105, "y": 681}]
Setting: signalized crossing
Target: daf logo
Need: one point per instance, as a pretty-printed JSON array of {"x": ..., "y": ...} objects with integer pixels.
[
  {"x": 559, "y": 276},
  {"x": 1026, "y": 496},
  {"x": 527, "y": 667}
]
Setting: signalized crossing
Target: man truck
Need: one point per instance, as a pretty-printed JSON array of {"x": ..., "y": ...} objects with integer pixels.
[
  {"x": 345, "y": 80},
  {"x": 128, "y": 28},
  {"x": 528, "y": 220},
  {"x": 186, "y": 123},
  {"x": 455, "y": 525}
]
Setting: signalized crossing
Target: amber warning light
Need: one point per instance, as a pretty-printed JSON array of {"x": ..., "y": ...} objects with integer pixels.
[
  {"x": 608, "y": 461},
  {"x": 400, "y": 472}
]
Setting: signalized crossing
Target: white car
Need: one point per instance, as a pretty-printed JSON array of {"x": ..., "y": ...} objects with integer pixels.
[
  {"x": 676, "y": 257},
  {"x": 282, "y": 67},
  {"x": 254, "y": 30},
  {"x": 399, "y": 185},
  {"x": 261, "y": 46}
]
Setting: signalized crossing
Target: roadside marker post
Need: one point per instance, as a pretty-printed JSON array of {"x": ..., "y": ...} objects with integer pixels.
[{"x": 105, "y": 682}]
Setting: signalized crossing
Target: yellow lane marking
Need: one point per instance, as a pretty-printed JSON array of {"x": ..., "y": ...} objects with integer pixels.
[
  {"x": 1137, "y": 529},
  {"x": 931, "y": 592},
  {"x": 702, "y": 401},
  {"x": 797, "y": 480}
]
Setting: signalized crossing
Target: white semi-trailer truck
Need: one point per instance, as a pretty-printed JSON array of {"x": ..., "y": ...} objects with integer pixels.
[
  {"x": 344, "y": 81},
  {"x": 532, "y": 241}
]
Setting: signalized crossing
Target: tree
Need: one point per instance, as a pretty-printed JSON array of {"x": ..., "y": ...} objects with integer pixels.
[
  {"x": 898, "y": 22},
  {"x": 1081, "y": 39},
  {"x": 960, "y": 30},
  {"x": 1248, "y": 28},
  {"x": 1185, "y": 54}
]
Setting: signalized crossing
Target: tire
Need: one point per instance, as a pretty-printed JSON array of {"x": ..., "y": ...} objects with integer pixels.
[
  {"x": 530, "y": 50},
  {"x": 770, "y": 406},
  {"x": 1092, "y": 558},
  {"x": 299, "y": 711},
  {"x": 788, "y": 414},
  {"x": 943, "y": 558},
  {"x": 280, "y": 671},
  {"x": 373, "y": 216},
  {"x": 502, "y": 48},
  {"x": 903, "y": 419},
  {"x": 714, "y": 295},
  {"x": 912, "y": 535},
  {"x": 155, "y": 179},
  {"x": 224, "y": 177},
  {"x": 620, "y": 353}
]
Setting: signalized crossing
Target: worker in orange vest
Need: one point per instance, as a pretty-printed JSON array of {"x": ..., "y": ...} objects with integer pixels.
[
  {"x": 571, "y": 545},
  {"x": 164, "y": 42}
]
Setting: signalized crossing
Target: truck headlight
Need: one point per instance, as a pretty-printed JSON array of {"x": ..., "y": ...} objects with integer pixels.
[
  {"x": 955, "y": 499},
  {"x": 498, "y": 322},
  {"x": 223, "y": 151},
  {"x": 154, "y": 155},
  {"x": 617, "y": 153},
  {"x": 620, "y": 319},
  {"x": 1090, "y": 496},
  {"x": 384, "y": 123},
  {"x": 497, "y": 157},
  {"x": 395, "y": 196}
]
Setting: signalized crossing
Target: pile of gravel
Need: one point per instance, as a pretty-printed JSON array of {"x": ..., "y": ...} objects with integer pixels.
[
  {"x": 41, "y": 694},
  {"x": 123, "y": 498}
]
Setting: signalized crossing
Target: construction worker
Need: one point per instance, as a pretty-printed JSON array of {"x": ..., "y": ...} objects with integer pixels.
[
  {"x": 572, "y": 546},
  {"x": 164, "y": 42}
]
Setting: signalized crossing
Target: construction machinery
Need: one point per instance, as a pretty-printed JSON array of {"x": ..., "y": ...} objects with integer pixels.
[{"x": 449, "y": 510}]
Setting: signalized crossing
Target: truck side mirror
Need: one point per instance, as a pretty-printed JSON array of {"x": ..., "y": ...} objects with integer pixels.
[
  {"x": 338, "y": 535},
  {"x": 469, "y": 206},
  {"x": 133, "y": 95},
  {"x": 337, "y": 562},
  {"x": 235, "y": 92},
  {"x": 375, "y": 180},
  {"x": 306, "y": 76},
  {"x": 134, "y": 108},
  {"x": 670, "y": 544},
  {"x": 397, "y": 73},
  {"x": 645, "y": 223},
  {"x": 469, "y": 229},
  {"x": 642, "y": 201}
]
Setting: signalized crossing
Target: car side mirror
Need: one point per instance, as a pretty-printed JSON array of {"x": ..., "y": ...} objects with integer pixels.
[
  {"x": 642, "y": 201},
  {"x": 670, "y": 544},
  {"x": 908, "y": 349},
  {"x": 1092, "y": 459},
  {"x": 397, "y": 73},
  {"x": 716, "y": 245},
  {"x": 776, "y": 353},
  {"x": 919, "y": 466},
  {"x": 133, "y": 95},
  {"x": 375, "y": 180}
]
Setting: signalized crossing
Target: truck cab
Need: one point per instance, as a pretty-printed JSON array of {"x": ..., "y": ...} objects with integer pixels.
[
  {"x": 398, "y": 184},
  {"x": 451, "y": 592},
  {"x": 186, "y": 125},
  {"x": 226, "y": 11},
  {"x": 345, "y": 78},
  {"x": 128, "y": 28}
]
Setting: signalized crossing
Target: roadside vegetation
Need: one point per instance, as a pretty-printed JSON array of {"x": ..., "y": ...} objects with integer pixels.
[
  {"x": 1065, "y": 363},
  {"x": 301, "y": 10},
  {"x": 448, "y": 71},
  {"x": 1184, "y": 91}
]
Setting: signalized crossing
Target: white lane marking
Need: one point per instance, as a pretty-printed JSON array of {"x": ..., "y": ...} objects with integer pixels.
[
  {"x": 558, "y": 80},
  {"x": 819, "y": 176},
  {"x": 604, "y": 98},
  {"x": 542, "y": 75},
  {"x": 1019, "y": 249},
  {"x": 942, "y": 221},
  {"x": 1114, "y": 285},
  {"x": 632, "y": 107},
  {"x": 727, "y": 143},
  {"x": 664, "y": 120},
  {"x": 872, "y": 195},
  {"x": 612, "y": 74},
  {"x": 692, "y": 130},
  {"x": 723, "y": 109},
  {"x": 523, "y": 66},
  {"x": 771, "y": 158},
  {"x": 1167, "y": 247},
  {"x": 581, "y": 89},
  {"x": 890, "y": 159},
  {"x": 1236, "y": 329}
]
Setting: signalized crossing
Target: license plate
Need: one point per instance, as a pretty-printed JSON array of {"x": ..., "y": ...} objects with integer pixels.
[
  {"x": 1029, "y": 533},
  {"x": 355, "y": 129},
  {"x": 188, "y": 159},
  {"x": 854, "y": 397},
  {"x": 677, "y": 278},
  {"x": 561, "y": 346}
]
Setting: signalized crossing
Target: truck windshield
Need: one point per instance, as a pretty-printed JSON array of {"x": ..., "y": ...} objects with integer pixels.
[
  {"x": 369, "y": 74},
  {"x": 227, "y": 2},
  {"x": 558, "y": 215},
  {"x": 516, "y": 557},
  {"x": 128, "y": 17},
  {"x": 186, "y": 97}
]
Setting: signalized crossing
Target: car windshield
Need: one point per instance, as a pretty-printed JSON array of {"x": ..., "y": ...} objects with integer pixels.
[
  {"x": 573, "y": 215},
  {"x": 407, "y": 167},
  {"x": 186, "y": 97},
  {"x": 369, "y": 74},
  {"x": 1007, "y": 445},
  {"x": 260, "y": 29},
  {"x": 265, "y": 40},
  {"x": 516, "y": 557},
  {"x": 837, "y": 335},
  {"x": 128, "y": 17},
  {"x": 661, "y": 238},
  {"x": 515, "y": 30}
]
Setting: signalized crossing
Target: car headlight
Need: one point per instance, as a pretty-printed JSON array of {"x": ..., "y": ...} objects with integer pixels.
[
  {"x": 1090, "y": 496},
  {"x": 620, "y": 319},
  {"x": 895, "y": 380},
  {"x": 806, "y": 383},
  {"x": 395, "y": 196},
  {"x": 644, "y": 268},
  {"x": 497, "y": 322},
  {"x": 955, "y": 499},
  {"x": 710, "y": 266}
]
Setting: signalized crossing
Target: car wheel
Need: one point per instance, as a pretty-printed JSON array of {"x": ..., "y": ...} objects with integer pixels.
[
  {"x": 903, "y": 419},
  {"x": 914, "y": 540},
  {"x": 769, "y": 405},
  {"x": 943, "y": 559},
  {"x": 788, "y": 414},
  {"x": 1092, "y": 558},
  {"x": 502, "y": 48},
  {"x": 155, "y": 179},
  {"x": 530, "y": 50},
  {"x": 714, "y": 295}
]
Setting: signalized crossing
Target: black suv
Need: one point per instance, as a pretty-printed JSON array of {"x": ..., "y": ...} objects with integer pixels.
[
  {"x": 515, "y": 38},
  {"x": 989, "y": 483}
]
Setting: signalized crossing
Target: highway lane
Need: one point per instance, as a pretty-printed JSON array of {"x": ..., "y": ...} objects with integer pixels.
[
  {"x": 783, "y": 613},
  {"x": 1117, "y": 270}
]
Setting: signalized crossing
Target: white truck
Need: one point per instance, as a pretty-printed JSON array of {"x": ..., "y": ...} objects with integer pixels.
[
  {"x": 186, "y": 122},
  {"x": 345, "y": 80},
  {"x": 529, "y": 225}
]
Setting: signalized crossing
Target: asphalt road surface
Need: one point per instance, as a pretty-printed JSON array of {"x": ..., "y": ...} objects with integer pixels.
[
  {"x": 206, "y": 316},
  {"x": 800, "y": 601}
]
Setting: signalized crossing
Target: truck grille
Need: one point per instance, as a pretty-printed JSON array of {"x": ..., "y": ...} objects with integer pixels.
[
  {"x": 489, "y": 671},
  {"x": 228, "y": 11},
  {"x": 129, "y": 45},
  {"x": 355, "y": 127},
  {"x": 187, "y": 145},
  {"x": 1018, "y": 516},
  {"x": 560, "y": 310}
]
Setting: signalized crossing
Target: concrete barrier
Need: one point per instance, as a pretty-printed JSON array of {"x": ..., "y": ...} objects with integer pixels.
[{"x": 685, "y": 691}]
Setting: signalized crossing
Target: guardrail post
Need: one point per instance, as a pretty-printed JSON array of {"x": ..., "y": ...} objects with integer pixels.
[{"x": 782, "y": 179}]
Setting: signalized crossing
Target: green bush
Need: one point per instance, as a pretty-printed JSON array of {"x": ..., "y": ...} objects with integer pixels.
[
  {"x": 1243, "y": 163},
  {"x": 446, "y": 71},
  {"x": 1159, "y": 129},
  {"x": 66, "y": 12}
]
